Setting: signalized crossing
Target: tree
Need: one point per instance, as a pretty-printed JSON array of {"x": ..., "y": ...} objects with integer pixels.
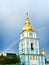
[{"x": 9, "y": 59}]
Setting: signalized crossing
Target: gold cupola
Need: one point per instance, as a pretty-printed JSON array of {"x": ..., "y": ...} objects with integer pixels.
[
  {"x": 43, "y": 52},
  {"x": 27, "y": 26}
]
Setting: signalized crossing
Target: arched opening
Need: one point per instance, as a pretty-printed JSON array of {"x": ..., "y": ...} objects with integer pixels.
[{"x": 32, "y": 46}]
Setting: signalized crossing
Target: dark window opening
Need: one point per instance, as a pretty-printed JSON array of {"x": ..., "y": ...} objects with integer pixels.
[
  {"x": 23, "y": 63},
  {"x": 32, "y": 46}
]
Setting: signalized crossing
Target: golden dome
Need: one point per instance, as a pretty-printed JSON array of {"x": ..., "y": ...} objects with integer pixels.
[
  {"x": 27, "y": 26},
  {"x": 43, "y": 52}
]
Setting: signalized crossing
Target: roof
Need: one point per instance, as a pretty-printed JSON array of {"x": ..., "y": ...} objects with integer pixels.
[{"x": 33, "y": 54}]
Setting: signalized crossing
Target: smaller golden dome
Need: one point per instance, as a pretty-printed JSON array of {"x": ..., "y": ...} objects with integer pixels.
[
  {"x": 27, "y": 26},
  {"x": 43, "y": 52}
]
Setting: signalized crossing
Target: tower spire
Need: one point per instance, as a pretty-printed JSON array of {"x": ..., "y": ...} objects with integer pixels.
[
  {"x": 27, "y": 19},
  {"x": 27, "y": 14}
]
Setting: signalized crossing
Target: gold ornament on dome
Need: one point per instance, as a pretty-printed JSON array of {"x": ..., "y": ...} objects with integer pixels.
[{"x": 27, "y": 26}]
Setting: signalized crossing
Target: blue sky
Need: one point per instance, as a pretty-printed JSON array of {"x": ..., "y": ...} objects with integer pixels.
[{"x": 12, "y": 19}]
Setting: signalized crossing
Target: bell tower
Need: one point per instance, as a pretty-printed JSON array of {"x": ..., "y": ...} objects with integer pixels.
[
  {"x": 29, "y": 43},
  {"x": 29, "y": 46}
]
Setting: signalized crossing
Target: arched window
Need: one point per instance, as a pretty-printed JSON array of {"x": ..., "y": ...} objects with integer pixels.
[
  {"x": 22, "y": 46},
  {"x": 22, "y": 35},
  {"x": 30, "y": 34},
  {"x": 32, "y": 46}
]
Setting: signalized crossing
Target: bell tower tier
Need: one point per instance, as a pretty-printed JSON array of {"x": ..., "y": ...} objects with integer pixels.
[{"x": 29, "y": 43}]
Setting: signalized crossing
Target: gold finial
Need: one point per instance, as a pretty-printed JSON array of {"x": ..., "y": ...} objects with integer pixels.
[
  {"x": 27, "y": 14},
  {"x": 27, "y": 19}
]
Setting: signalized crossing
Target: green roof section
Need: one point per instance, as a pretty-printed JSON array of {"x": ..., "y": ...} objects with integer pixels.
[
  {"x": 47, "y": 62},
  {"x": 33, "y": 54}
]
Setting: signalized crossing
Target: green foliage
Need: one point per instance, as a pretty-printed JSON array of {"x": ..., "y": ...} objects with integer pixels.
[
  {"x": 9, "y": 59},
  {"x": 9, "y": 64}
]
